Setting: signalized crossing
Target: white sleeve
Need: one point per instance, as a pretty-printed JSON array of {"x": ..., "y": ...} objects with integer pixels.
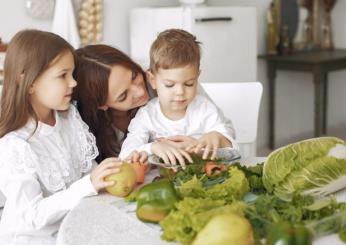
[
  {"x": 138, "y": 135},
  {"x": 22, "y": 188},
  {"x": 214, "y": 120}
]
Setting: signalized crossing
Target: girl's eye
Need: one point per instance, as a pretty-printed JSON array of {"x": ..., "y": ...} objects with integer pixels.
[
  {"x": 134, "y": 75},
  {"x": 169, "y": 85},
  {"x": 63, "y": 75}
]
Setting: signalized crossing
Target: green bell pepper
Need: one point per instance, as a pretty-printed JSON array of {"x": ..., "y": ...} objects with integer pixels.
[
  {"x": 155, "y": 201},
  {"x": 284, "y": 233}
]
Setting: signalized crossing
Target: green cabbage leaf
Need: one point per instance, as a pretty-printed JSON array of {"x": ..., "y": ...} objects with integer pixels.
[{"x": 315, "y": 166}]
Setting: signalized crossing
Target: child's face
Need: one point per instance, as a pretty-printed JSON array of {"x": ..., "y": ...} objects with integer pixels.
[
  {"x": 52, "y": 90},
  {"x": 176, "y": 88}
]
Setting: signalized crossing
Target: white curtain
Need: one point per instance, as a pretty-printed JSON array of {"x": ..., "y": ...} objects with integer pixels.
[{"x": 64, "y": 22}]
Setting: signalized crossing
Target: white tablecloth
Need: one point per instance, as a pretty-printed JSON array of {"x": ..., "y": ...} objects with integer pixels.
[{"x": 108, "y": 220}]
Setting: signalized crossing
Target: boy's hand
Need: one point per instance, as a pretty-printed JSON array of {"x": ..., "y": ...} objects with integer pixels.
[
  {"x": 135, "y": 156},
  {"x": 106, "y": 167},
  {"x": 178, "y": 141},
  {"x": 209, "y": 143},
  {"x": 170, "y": 154}
]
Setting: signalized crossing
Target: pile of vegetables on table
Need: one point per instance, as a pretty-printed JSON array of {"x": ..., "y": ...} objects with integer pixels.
[{"x": 285, "y": 200}]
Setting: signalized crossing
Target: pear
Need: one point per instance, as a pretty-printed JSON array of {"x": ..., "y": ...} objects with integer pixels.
[
  {"x": 230, "y": 229},
  {"x": 124, "y": 181}
]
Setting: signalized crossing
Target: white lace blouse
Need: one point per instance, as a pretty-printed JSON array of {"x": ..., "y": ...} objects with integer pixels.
[{"x": 42, "y": 177}]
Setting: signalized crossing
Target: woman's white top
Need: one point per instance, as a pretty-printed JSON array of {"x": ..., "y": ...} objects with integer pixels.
[
  {"x": 149, "y": 124},
  {"x": 41, "y": 176}
]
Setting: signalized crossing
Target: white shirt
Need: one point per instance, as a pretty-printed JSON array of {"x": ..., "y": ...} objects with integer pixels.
[
  {"x": 149, "y": 124},
  {"x": 42, "y": 177}
]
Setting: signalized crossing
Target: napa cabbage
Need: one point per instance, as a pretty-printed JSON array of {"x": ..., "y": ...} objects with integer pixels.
[{"x": 315, "y": 166}]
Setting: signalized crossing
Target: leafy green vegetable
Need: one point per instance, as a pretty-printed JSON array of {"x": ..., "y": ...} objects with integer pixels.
[
  {"x": 205, "y": 197},
  {"x": 315, "y": 166},
  {"x": 233, "y": 188},
  {"x": 197, "y": 169},
  {"x": 254, "y": 176},
  {"x": 267, "y": 209},
  {"x": 342, "y": 234},
  {"x": 192, "y": 214}
]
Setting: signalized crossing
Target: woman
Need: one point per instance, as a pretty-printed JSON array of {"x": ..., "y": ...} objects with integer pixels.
[{"x": 111, "y": 87}]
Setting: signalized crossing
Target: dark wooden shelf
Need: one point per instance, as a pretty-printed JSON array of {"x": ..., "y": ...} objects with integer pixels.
[{"x": 319, "y": 63}]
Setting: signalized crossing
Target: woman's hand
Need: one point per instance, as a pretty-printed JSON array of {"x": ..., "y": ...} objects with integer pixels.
[
  {"x": 135, "y": 156},
  {"x": 178, "y": 141},
  {"x": 209, "y": 143},
  {"x": 106, "y": 167},
  {"x": 170, "y": 154}
]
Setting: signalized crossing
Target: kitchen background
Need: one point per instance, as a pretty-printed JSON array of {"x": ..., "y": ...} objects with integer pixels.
[{"x": 294, "y": 98}]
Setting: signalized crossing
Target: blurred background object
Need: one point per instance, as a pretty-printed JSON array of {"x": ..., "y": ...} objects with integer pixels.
[
  {"x": 191, "y": 2},
  {"x": 64, "y": 22},
  {"x": 91, "y": 21},
  {"x": 3, "y": 47},
  {"x": 272, "y": 17},
  {"x": 327, "y": 33},
  {"x": 217, "y": 28},
  {"x": 304, "y": 24},
  {"x": 40, "y": 9},
  {"x": 303, "y": 37}
]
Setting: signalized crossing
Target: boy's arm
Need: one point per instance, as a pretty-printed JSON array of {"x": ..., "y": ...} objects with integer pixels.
[{"x": 138, "y": 136}]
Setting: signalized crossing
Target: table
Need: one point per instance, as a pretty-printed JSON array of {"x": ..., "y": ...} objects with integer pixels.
[
  {"x": 108, "y": 220},
  {"x": 319, "y": 63}
]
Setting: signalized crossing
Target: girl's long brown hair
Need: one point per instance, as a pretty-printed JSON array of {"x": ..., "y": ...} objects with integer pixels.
[
  {"x": 29, "y": 53},
  {"x": 92, "y": 69}
]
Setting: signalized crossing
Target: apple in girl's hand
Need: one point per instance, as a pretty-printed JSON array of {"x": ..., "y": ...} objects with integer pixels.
[
  {"x": 140, "y": 169},
  {"x": 124, "y": 181}
]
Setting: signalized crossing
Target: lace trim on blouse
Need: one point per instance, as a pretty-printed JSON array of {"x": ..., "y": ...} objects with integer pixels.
[
  {"x": 87, "y": 139},
  {"x": 54, "y": 172}
]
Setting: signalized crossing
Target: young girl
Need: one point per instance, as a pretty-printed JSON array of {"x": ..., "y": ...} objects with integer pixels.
[{"x": 46, "y": 151}]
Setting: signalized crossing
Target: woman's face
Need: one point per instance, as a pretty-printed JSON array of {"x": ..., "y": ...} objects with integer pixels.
[{"x": 126, "y": 89}]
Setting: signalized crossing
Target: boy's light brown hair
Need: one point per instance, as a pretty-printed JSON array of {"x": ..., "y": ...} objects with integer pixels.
[{"x": 174, "y": 48}]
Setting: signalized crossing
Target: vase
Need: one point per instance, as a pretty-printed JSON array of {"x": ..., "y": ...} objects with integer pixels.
[{"x": 327, "y": 33}]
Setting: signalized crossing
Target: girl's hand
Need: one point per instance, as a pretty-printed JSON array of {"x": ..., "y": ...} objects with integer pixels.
[
  {"x": 209, "y": 143},
  {"x": 135, "y": 156},
  {"x": 170, "y": 154},
  {"x": 178, "y": 141},
  {"x": 106, "y": 167}
]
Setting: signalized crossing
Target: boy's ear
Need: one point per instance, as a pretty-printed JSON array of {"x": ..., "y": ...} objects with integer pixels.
[{"x": 151, "y": 79}]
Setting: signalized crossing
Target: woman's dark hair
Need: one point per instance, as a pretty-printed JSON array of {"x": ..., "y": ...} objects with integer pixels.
[{"x": 92, "y": 70}]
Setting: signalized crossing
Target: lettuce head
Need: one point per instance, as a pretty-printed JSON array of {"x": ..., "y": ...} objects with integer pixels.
[{"x": 315, "y": 166}]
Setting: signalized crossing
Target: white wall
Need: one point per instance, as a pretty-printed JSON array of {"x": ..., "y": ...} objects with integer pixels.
[{"x": 294, "y": 90}]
